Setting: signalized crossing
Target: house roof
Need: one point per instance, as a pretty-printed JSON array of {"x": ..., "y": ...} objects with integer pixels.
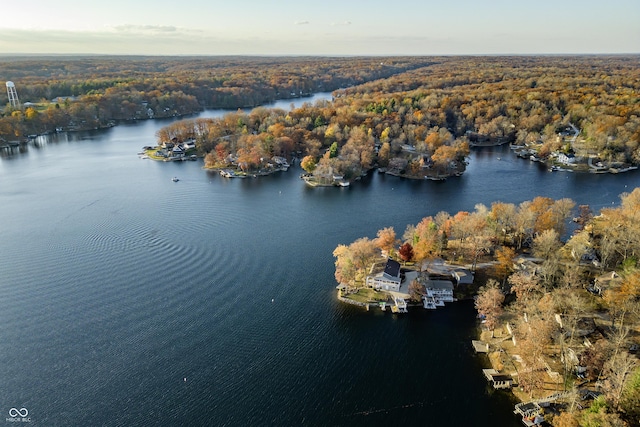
[
  {"x": 607, "y": 280},
  {"x": 527, "y": 408},
  {"x": 501, "y": 377},
  {"x": 463, "y": 277},
  {"x": 607, "y": 277},
  {"x": 392, "y": 269},
  {"x": 403, "y": 292},
  {"x": 439, "y": 284}
]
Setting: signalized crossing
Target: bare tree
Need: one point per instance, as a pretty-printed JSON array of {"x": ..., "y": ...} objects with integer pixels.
[
  {"x": 546, "y": 244},
  {"x": 489, "y": 304},
  {"x": 616, "y": 372},
  {"x": 534, "y": 336},
  {"x": 526, "y": 287},
  {"x": 416, "y": 291}
]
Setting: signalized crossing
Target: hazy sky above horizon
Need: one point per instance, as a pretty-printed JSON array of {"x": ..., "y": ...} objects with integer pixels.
[{"x": 329, "y": 27}]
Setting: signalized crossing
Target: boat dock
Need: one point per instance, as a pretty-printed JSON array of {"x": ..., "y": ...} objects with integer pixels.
[{"x": 480, "y": 346}]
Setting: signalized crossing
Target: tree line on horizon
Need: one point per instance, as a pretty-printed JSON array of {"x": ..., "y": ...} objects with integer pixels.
[{"x": 90, "y": 92}]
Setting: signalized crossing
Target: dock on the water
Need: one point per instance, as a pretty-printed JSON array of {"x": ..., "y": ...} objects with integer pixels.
[{"x": 480, "y": 346}]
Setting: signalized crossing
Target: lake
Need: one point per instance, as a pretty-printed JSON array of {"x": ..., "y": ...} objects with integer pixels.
[{"x": 129, "y": 299}]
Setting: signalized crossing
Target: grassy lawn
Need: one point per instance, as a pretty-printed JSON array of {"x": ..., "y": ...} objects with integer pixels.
[
  {"x": 152, "y": 154},
  {"x": 367, "y": 295}
]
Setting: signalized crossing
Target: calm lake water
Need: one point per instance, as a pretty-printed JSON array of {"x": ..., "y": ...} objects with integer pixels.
[{"x": 128, "y": 299}]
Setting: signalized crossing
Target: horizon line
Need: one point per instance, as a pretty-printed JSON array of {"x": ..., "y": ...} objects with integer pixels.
[{"x": 306, "y": 55}]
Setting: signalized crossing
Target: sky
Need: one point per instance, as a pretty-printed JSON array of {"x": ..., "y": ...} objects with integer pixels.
[{"x": 320, "y": 27}]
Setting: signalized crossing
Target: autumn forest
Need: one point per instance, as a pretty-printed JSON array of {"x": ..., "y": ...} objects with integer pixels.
[
  {"x": 411, "y": 116},
  {"x": 77, "y": 93},
  {"x": 421, "y": 123},
  {"x": 564, "y": 281}
]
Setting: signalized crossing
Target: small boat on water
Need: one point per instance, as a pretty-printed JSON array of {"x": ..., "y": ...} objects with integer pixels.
[{"x": 175, "y": 179}]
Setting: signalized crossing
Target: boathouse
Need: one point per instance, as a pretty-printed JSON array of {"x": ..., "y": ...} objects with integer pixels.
[{"x": 497, "y": 379}]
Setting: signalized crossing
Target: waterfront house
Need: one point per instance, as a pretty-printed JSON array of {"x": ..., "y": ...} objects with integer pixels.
[
  {"x": 437, "y": 292},
  {"x": 566, "y": 159},
  {"x": 440, "y": 290},
  {"x": 463, "y": 276},
  {"x": 281, "y": 162},
  {"x": 531, "y": 413},
  {"x": 189, "y": 144},
  {"x": 177, "y": 151},
  {"x": 387, "y": 280}
]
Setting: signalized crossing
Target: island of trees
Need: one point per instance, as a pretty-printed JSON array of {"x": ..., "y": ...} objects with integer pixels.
[
  {"x": 420, "y": 123},
  {"x": 560, "y": 308}
]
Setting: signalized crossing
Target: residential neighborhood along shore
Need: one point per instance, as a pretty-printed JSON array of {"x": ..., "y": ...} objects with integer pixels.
[
  {"x": 571, "y": 155},
  {"x": 388, "y": 285},
  {"x": 559, "y": 313}
]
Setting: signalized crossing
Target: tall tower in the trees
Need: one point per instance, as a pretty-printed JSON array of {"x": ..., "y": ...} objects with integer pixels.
[{"x": 13, "y": 95}]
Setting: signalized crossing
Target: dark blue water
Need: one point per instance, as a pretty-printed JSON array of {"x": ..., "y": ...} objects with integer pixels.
[{"x": 117, "y": 284}]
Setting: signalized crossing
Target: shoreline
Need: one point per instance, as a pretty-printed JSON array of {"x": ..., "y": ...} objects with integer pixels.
[{"x": 554, "y": 165}]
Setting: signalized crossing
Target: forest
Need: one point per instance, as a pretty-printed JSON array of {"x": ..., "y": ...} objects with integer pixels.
[
  {"x": 76, "y": 93},
  {"x": 420, "y": 123},
  {"x": 560, "y": 301},
  {"x": 409, "y": 116}
]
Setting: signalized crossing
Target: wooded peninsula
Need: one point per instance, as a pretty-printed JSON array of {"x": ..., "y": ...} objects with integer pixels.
[{"x": 560, "y": 316}]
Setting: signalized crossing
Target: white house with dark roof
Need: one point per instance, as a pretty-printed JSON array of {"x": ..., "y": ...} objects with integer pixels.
[
  {"x": 177, "y": 151},
  {"x": 387, "y": 280}
]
